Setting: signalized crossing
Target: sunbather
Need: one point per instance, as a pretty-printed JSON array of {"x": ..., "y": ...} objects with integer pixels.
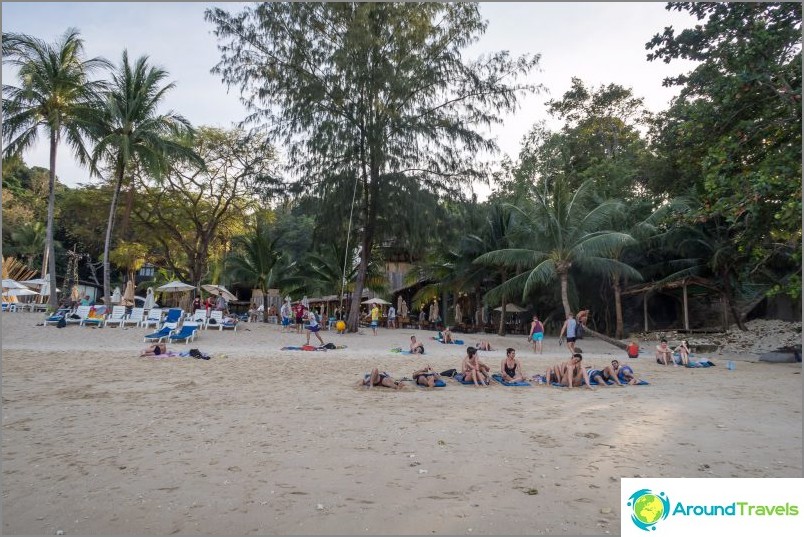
[
  {"x": 511, "y": 367},
  {"x": 484, "y": 345},
  {"x": 473, "y": 369},
  {"x": 416, "y": 347},
  {"x": 380, "y": 379},
  {"x": 426, "y": 376},
  {"x": 154, "y": 350}
]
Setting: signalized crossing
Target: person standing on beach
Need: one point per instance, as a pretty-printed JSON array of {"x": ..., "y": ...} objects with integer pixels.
[
  {"x": 536, "y": 334},
  {"x": 392, "y": 317},
  {"x": 569, "y": 329},
  {"x": 313, "y": 327},
  {"x": 299, "y": 310},
  {"x": 285, "y": 312},
  {"x": 375, "y": 318}
]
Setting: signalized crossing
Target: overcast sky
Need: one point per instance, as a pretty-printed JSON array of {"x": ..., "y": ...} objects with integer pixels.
[{"x": 600, "y": 43}]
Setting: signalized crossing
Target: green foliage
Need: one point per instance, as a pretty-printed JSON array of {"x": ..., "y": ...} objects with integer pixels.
[{"x": 734, "y": 134}]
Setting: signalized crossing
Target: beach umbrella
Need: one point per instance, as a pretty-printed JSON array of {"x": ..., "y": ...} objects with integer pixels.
[
  {"x": 434, "y": 311},
  {"x": 219, "y": 289},
  {"x": 403, "y": 309},
  {"x": 45, "y": 290},
  {"x": 510, "y": 308},
  {"x": 174, "y": 287},
  {"x": 377, "y": 301},
  {"x": 128, "y": 294},
  {"x": 8, "y": 283},
  {"x": 116, "y": 297},
  {"x": 37, "y": 282},
  {"x": 19, "y": 292}
]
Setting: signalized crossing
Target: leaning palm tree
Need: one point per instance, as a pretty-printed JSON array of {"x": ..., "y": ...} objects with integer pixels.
[
  {"x": 55, "y": 96},
  {"x": 130, "y": 130},
  {"x": 562, "y": 230}
]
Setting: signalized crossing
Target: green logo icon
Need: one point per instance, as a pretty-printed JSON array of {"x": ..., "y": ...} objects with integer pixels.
[{"x": 648, "y": 508}]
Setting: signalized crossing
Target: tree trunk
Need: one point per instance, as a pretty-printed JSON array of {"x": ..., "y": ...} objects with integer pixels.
[
  {"x": 501, "y": 329},
  {"x": 727, "y": 296},
  {"x": 108, "y": 241},
  {"x": 50, "y": 250},
  {"x": 618, "y": 308},
  {"x": 564, "y": 278},
  {"x": 125, "y": 232},
  {"x": 265, "y": 305},
  {"x": 607, "y": 339}
]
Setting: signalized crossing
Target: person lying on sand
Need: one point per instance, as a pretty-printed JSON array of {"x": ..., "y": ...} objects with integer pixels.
[
  {"x": 484, "y": 345},
  {"x": 154, "y": 350},
  {"x": 473, "y": 369},
  {"x": 426, "y": 376},
  {"x": 511, "y": 367},
  {"x": 416, "y": 347},
  {"x": 380, "y": 379}
]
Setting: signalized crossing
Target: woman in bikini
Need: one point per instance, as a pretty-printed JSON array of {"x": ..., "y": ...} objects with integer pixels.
[
  {"x": 473, "y": 369},
  {"x": 484, "y": 345},
  {"x": 426, "y": 376},
  {"x": 375, "y": 378},
  {"x": 156, "y": 349},
  {"x": 511, "y": 367}
]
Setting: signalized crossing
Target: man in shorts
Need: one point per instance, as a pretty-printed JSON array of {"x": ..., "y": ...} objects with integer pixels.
[
  {"x": 569, "y": 329},
  {"x": 375, "y": 318}
]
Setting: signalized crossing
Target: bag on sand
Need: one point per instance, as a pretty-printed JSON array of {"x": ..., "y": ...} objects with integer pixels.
[
  {"x": 329, "y": 346},
  {"x": 62, "y": 323},
  {"x": 449, "y": 373}
]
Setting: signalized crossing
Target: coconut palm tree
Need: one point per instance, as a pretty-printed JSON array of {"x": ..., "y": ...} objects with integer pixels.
[
  {"x": 55, "y": 96},
  {"x": 256, "y": 261},
  {"x": 560, "y": 230},
  {"x": 130, "y": 130}
]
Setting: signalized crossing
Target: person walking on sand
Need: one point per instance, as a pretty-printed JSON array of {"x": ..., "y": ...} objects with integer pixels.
[
  {"x": 569, "y": 329},
  {"x": 536, "y": 334},
  {"x": 392, "y": 317},
  {"x": 375, "y": 318},
  {"x": 313, "y": 327}
]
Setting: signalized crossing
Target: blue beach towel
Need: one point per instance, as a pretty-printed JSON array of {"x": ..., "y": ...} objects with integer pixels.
[
  {"x": 499, "y": 379},
  {"x": 459, "y": 378},
  {"x": 700, "y": 363},
  {"x": 439, "y": 383}
]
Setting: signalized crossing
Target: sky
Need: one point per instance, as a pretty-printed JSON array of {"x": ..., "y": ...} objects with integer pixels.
[{"x": 599, "y": 42}]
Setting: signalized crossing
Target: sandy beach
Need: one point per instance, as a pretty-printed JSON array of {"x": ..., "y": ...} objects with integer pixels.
[{"x": 261, "y": 441}]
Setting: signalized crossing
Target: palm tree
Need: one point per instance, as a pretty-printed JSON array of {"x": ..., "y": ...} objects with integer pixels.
[
  {"x": 29, "y": 241},
  {"x": 56, "y": 96},
  {"x": 256, "y": 261},
  {"x": 130, "y": 130},
  {"x": 562, "y": 230}
]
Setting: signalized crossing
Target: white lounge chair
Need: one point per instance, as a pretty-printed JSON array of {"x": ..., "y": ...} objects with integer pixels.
[
  {"x": 200, "y": 316},
  {"x": 154, "y": 318},
  {"x": 217, "y": 315},
  {"x": 136, "y": 317},
  {"x": 117, "y": 316}
]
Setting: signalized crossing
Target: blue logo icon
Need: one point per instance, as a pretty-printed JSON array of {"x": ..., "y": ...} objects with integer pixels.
[{"x": 648, "y": 508}]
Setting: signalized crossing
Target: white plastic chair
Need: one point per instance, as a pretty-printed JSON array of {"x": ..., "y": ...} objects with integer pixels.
[
  {"x": 154, "y": 318},
  {"x": 117, "y": 316},
  {"x": 136, "y": 317}
]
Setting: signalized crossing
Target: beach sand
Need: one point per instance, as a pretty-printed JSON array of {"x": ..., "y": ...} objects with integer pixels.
[{"x": 263, "y": 441}]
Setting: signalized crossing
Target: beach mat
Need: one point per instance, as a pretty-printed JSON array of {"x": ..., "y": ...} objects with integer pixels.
[
  {"x": 459, "y": 378},
  {"x": 499, "y": 379},
  {"x": 439, "y": 383},
  {"x": 700, "y": 363},
  {"x": 302, "y": 348},
  {"x": 400, "y": 351},
  {"x": 454, "y": 342}
]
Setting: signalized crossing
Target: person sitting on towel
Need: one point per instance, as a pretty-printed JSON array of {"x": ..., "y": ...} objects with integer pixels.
[
  {"x": 683, "y": 351},
  {"x": 626, "y": 375},
  {"x": 570, "y": 373},
  {"x": 484, "y": 345},
  {"x": 416, "y": 347},
  {"x": 447, "y": 336},
  {"x": 511, "y": 367},
  {"x": 473, "y": 369},
  {"x": 380, "y": 379},
  {"x": 426, "y": 376},
  {"x": 663, "y": 354},
  {"x": 608, "y": 373}
]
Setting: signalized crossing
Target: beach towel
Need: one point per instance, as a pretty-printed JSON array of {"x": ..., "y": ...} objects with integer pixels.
[
  {"x": 499, "y": 379},
  {"x": 459, "y": 378},
  {"x": 700, "y": 363},
  {"x": 302, "y": 348},
  {"x": 439, "y": 383},
  {"x": 399, "y": 350},
  {"x": 454, "y": 341}
]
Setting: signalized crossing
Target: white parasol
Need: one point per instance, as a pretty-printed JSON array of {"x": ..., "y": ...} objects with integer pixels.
[
  {"x": 377, "y": 301},
  {"x": 174, "y": 287},
  {"x": 150, "y": 300},
  {"x": 19, "y": 292},
  {"x": 510, "y": 308},
  {"x": 216, "y": 289},
  {"x": 434, "y": 311},
  {"x": 8, "y": 283},
  {"x": 128, "y": 295}
]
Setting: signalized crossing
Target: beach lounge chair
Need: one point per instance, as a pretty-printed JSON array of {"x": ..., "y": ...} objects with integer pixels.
[
  {"x": 75, "y": 317},
  {"x": 154, "y": 318},
  {"x": 56, "y": 317},
  {"x": 200, "y": 316},
  {"x": 136, "y": 317},
  {"x": 160, "y": 334},
  {"x": 215, "y": 319},
  {"x": 94, "y": 317},
  {"x": 174, "y": 316},
  {"x": 188, "y": 332},
  {"x": 117, "y": 316}
]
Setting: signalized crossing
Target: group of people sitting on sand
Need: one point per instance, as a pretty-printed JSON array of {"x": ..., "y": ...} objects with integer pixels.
[
  {"x": 570, "y": 373},
  {"x": 664, "y": 355}
]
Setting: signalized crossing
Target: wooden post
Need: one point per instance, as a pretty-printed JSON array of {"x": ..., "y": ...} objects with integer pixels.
[
  {"x": 686, "y": 310},
  {"x": 645, "y": 309}
]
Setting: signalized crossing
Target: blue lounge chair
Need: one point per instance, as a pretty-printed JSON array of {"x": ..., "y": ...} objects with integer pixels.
[
  {"x": 158, "y": 336},
  {"x": 174, "y": 316},
  {"x": 56, "y": 317},
  {"x": 187, "y": 333}
]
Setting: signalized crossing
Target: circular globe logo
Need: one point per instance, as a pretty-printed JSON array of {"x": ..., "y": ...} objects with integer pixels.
[{"x": 648, "y": 508}]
